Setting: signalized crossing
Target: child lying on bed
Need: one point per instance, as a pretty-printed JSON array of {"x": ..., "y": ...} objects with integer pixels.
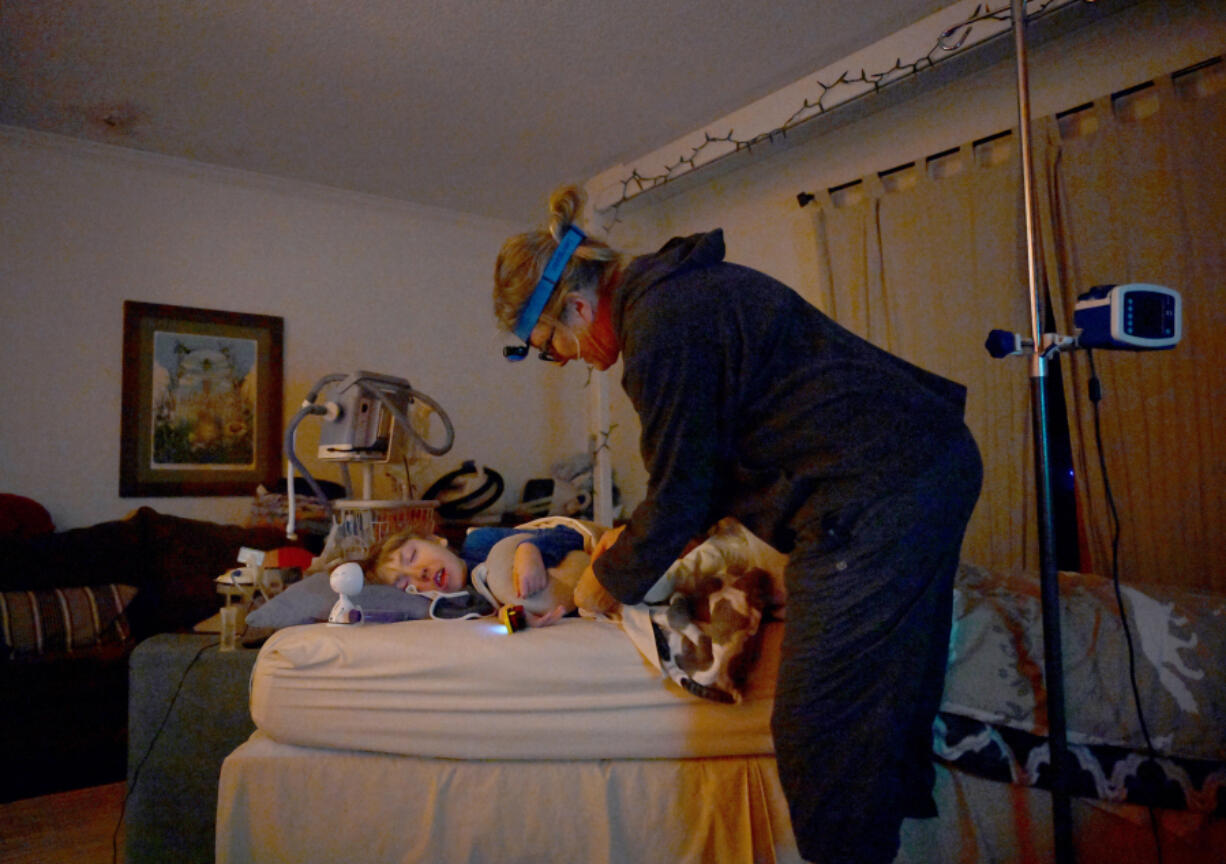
[{"x": 535, "y": 565}]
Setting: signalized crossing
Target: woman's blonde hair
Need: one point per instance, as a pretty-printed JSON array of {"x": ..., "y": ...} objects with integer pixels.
[{"x": 524, "y": 256}]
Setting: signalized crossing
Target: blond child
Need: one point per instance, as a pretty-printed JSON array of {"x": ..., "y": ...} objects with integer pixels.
[{"x": 535, "y": 565}]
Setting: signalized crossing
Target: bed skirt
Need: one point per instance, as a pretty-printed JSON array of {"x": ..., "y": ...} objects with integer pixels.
[{"x": 280, "y": 802}]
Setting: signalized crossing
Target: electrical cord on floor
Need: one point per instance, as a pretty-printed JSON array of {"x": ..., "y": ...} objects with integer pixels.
[
  {"x": 174, "y": 697},
  {"x": 1096, "y": 395}
]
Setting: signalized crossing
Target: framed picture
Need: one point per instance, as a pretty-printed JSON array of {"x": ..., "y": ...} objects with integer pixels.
[{"x": 202, "y": 406}]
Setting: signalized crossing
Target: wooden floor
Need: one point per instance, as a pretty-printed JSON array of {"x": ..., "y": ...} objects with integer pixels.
[{"x": 74, "y": 827}]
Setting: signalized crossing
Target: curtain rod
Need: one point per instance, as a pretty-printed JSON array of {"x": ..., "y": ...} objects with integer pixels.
[{"x": 804, "y": 198}]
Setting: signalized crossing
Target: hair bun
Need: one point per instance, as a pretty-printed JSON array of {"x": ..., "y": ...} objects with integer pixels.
[{"x": 564, "y": 205}]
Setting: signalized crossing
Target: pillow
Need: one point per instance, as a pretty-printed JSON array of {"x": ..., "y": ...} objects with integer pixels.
[
  {"x": 995, "y": 671},
  {"x": 46, "y": 621},
  {"x": 22, "y": 517},
  {"x": 311, "y": 599}
]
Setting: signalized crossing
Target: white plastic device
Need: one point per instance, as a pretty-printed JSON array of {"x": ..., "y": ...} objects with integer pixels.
[{"x": 346, "y": 580}]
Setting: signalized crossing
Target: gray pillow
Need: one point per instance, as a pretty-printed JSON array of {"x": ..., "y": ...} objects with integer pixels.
[{"x": 311, "y": 600}]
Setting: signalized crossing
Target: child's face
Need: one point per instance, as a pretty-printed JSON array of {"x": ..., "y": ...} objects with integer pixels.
[{"x": 426, "y": 566}]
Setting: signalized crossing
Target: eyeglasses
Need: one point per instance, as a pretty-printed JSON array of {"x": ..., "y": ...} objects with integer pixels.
[{"x": 515, "y": 353}]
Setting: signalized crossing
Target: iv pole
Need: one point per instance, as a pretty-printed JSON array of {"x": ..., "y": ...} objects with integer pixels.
[{"x": 1049, "y": 586}]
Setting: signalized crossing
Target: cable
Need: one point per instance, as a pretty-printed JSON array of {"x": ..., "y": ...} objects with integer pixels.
[
  {"x": 1096, "y": 395},
  {"x": 123, "y": 806}
]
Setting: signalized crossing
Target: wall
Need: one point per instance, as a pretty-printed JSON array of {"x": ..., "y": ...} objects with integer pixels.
[
  {"x": 756, "y": 204},
  {"x": 362, "y": 283}
]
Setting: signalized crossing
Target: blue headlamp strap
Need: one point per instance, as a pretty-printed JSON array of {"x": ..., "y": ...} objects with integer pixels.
[{"x": 549, "y": 279}]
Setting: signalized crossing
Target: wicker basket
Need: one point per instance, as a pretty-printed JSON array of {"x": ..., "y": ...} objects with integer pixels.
[{"x": 357, "y": 525}]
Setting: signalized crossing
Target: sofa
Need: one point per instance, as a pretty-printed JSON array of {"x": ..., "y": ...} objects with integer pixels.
[{"x": 73, "y": 605}]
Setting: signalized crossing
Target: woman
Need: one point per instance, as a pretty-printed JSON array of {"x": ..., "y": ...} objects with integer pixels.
[{"x": 857, "y": 464}]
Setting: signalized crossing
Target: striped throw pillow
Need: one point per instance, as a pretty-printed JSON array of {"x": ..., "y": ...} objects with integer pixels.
[{"x": 56, "y": 620}]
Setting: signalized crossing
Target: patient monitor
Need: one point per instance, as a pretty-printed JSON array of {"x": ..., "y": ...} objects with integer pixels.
[{"x": 1131, "y": 317}]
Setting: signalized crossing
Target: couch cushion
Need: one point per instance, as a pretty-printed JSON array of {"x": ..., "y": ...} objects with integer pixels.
[
  {"x": 171, "y": 560},
  {"x": 52, "y": 620},
  {"x": 63, "y": 721},
  {"x": 95, "y": 555},
  {"x": 182, "y": 559},
  {"x": 22, "y": 517}
]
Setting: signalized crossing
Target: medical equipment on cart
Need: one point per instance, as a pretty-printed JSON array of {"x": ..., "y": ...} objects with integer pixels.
[{"x": 365, "y": 420}]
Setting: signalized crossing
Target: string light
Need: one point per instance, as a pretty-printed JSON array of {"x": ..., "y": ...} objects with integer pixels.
[{"x": 829, "y": 97}]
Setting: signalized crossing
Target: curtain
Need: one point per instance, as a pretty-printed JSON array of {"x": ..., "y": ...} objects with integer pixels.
[
  {"x": 926, "y": 259},
  {"x": 1140, "y": 196},
  {"x": 923, "y": 264}
]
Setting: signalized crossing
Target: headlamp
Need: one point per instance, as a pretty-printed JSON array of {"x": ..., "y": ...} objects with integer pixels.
[{"x": 543, "y": 291}]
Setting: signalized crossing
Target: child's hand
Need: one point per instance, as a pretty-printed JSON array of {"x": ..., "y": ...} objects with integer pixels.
[
  {"x": 528, "y": 573},
  {"x": 546, "y": 619}
]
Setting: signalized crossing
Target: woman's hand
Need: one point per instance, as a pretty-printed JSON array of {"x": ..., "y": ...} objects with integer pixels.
[
  {"x": 591, "y": 596},
  {"x": 606, "y": 540},
  {"x": 528, "y": 573}
]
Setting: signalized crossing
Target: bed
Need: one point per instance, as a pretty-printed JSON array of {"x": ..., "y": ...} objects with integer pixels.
[{"x": 441, "y": 741}]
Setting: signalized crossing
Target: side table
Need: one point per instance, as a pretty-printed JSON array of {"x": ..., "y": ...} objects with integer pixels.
[{"x": 171, "y": 812}]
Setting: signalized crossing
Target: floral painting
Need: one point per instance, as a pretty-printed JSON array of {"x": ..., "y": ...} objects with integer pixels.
[
  {"x": 202, "y": 401},
  {"x": 204, "y": 404}
]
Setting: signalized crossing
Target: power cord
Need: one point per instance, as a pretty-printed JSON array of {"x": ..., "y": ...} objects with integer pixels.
[
  {"x": 1096, "y": 395},
  {"x": 174, "y": 697}
]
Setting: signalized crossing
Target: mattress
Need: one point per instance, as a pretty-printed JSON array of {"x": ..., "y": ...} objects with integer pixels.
[{"x": 469, "y": 690}]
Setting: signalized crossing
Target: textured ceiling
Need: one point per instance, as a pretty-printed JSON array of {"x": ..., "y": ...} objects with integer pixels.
[{"x": 476, "y": 106}]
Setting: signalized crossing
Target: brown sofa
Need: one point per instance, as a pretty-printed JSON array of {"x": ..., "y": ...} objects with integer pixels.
[{"x": 63, "y": 720}]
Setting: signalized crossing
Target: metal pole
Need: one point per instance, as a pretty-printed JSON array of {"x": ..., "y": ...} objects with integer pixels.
[{"x": 1053, "y": 661}]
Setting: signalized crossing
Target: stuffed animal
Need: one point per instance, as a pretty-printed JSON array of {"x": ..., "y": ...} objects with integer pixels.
[{"x": 715, "y": 596}]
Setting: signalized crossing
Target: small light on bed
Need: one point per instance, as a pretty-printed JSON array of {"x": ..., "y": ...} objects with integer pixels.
[{"x": 512, "y": 618}]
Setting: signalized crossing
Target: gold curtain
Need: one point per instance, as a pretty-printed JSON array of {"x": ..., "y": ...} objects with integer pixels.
[
  {"x": 926, "y": 259},
  {"x": 1140, "y": 196},
  {"x": 923, "y": 263}
]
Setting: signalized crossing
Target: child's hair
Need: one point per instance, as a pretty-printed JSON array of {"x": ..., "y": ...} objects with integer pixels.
[{"x": 382, "y": 551}]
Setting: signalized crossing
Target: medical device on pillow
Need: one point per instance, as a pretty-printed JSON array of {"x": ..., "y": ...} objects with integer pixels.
[
  {"x": 1132, "y": 317},
  {"x": 346, "y": 580},
  {"x": 364, "y": 420}
]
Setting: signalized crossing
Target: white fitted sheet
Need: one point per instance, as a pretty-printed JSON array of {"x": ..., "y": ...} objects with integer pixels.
[{"x": 468, "y": 690}]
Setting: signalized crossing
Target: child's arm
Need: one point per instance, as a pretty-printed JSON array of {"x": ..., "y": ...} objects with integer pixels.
[
  {"x": 556, "y": 583},
  {"x": 528, "y": 573},
  {"x": 516, "y": 563}
]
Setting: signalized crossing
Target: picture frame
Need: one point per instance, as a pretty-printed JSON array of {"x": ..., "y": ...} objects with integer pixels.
[{"x": 202, "y": 401}]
